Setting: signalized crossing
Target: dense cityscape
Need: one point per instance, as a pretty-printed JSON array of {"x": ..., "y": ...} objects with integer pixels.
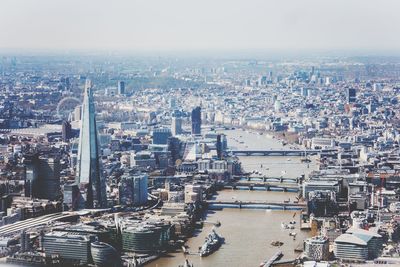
[
  {"x": 126, "y": 161},
  {"x": 206, "y": 133}
]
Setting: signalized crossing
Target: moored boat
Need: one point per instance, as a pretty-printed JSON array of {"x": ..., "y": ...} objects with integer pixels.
[{"x": 212, "y": 243}]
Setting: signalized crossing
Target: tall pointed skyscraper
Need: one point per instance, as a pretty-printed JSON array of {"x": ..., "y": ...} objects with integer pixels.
[{"x": 89, "y": 177}]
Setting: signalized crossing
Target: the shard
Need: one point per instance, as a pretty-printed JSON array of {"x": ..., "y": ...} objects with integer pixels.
[{"x": 89, "y": 177}]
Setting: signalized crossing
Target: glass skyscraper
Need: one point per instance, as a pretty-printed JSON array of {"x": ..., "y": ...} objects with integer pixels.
[
  {"x": 196, "y": 121},
  {"x": 89, "y": 177}
]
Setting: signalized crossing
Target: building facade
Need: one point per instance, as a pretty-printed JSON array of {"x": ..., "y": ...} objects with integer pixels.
[{"x": 89, "y": 177}]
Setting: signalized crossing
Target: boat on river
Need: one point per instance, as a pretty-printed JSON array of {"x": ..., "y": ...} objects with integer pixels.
[
  {"x": 187, "y": 264},
  {"x": 211, "y": 244}
]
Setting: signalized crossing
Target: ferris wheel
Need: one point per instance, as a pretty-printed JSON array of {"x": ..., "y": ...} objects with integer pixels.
[{"x": 66, "y": 106}]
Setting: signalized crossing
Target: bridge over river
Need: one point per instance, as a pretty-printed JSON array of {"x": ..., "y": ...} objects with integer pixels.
[
  {"x": 286, "y": 205},
  {"x": 263, "y": 185},
  {"x": 281, "y": 152}
]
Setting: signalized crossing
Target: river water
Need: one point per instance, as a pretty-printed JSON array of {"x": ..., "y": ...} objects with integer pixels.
[{"x": 248, "y": 233}]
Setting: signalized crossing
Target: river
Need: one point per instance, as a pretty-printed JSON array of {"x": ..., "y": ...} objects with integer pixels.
[{"x": 248, "y": 233}]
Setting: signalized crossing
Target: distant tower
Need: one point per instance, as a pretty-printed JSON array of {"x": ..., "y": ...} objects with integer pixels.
[
  {"x": 42, "y": 176},
  {"x": 25, "y": 241},
  {"x": 219, "y": 147},
  {"x": 66, "y": 131},
  {"x": 351, "y": 95},
  {"x": 196, "y": 120},
  {"x": 121, "y": 87},
  {"x": 77, "y": 113},
  {"x": 160, "y": 136},
  {"x": 174, "y": 146},
  {"x": 176, "y": 125},
  {"x": 89, "y": 177},
  {"x": 49, "y": 178},
  {"x": 172, "y": 103},
  {"x": 133, "y": 189}
]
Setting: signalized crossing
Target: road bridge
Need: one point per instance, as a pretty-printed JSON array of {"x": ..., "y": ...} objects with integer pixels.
[
  {"x": 288, "y": 152},
  {"x": 267, "y": 179},
  {"x": 286, "y": 205},
  {"x": 263, "y": 185}
]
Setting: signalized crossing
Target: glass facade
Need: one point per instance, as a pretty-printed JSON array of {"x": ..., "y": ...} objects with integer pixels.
[{"x": 89, "y": 177}]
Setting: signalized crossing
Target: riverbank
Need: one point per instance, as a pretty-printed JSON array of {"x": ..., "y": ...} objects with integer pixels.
[{"x": 249, "y": 233}]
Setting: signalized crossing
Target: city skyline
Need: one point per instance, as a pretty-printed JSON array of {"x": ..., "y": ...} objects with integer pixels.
[{"x": 199, "y": 133}]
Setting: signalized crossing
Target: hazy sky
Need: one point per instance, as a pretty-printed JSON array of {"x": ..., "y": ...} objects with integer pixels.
[{"x": 200, "y": 25}]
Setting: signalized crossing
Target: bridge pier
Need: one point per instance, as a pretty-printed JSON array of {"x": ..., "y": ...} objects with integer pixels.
[{"x": 268, "y": 188}]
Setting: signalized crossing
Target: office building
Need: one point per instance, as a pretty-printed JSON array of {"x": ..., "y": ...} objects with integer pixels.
[
  {"x": 322, "y": 203},
  {"x": 66, "y": 131},
  {"x": 316, "y": 248},
  {"x": 304, "y": 91},
  {"x": 351, "y": 95},
  {"x": 68, "y": 246},
  {"x": 221, "y": 145},
  {"x": 49, "y": 178},
  {"x": 176, "y": 126},
  {"x": 351, "y": 248},
  {"x": 161, "y": 135},
  {"x": 172, "y": 103},
  {"x": 174, "y": 147},
  {"x": 193, "y": 193},
  {"x": 121, "y": 87},
  {"x": 148, "y": 237},
  {"x": 104, "y": 255},
  {"x": 357, "y": 245},
  {"x": 25, "y": 241},
  {"x": 374, "y": 240},
  {"x": 196, "y": 121},
  {"x": 317, "y": 185},
  {"x": 89, "y": 177},
  {"x": 133, "y": 189},
  {"x": 77, "y": 113},
  {"x": 42, "y": 176},
  {"x": 71, "y": 196}
]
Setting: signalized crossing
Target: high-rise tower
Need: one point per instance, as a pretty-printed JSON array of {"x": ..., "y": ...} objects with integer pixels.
[
  {"x": 196, "y": 121},
  {"x": 89, "y": 177}
]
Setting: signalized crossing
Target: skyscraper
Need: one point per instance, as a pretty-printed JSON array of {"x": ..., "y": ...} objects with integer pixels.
[
  {"x": 121, "y": 87},
  {"x": 42, "y": 176},
  {"x": 176, "y": 125},
  {"x": 196, "y": 120},
  {"x": 66, "y": 131},
  {"x": 89, "y": 177},
  {"x": 133, "y": 189},
  {"x": 174, "y": 145},
  {"x": 351, "y": 95},
  {"x": 160, "y": 136}
]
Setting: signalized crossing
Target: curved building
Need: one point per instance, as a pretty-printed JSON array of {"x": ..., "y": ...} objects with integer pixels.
[
  {"x": 351, "y": 248},
  {"x": 104, "y": 255},
  {"x": 146, "y": 238}
]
